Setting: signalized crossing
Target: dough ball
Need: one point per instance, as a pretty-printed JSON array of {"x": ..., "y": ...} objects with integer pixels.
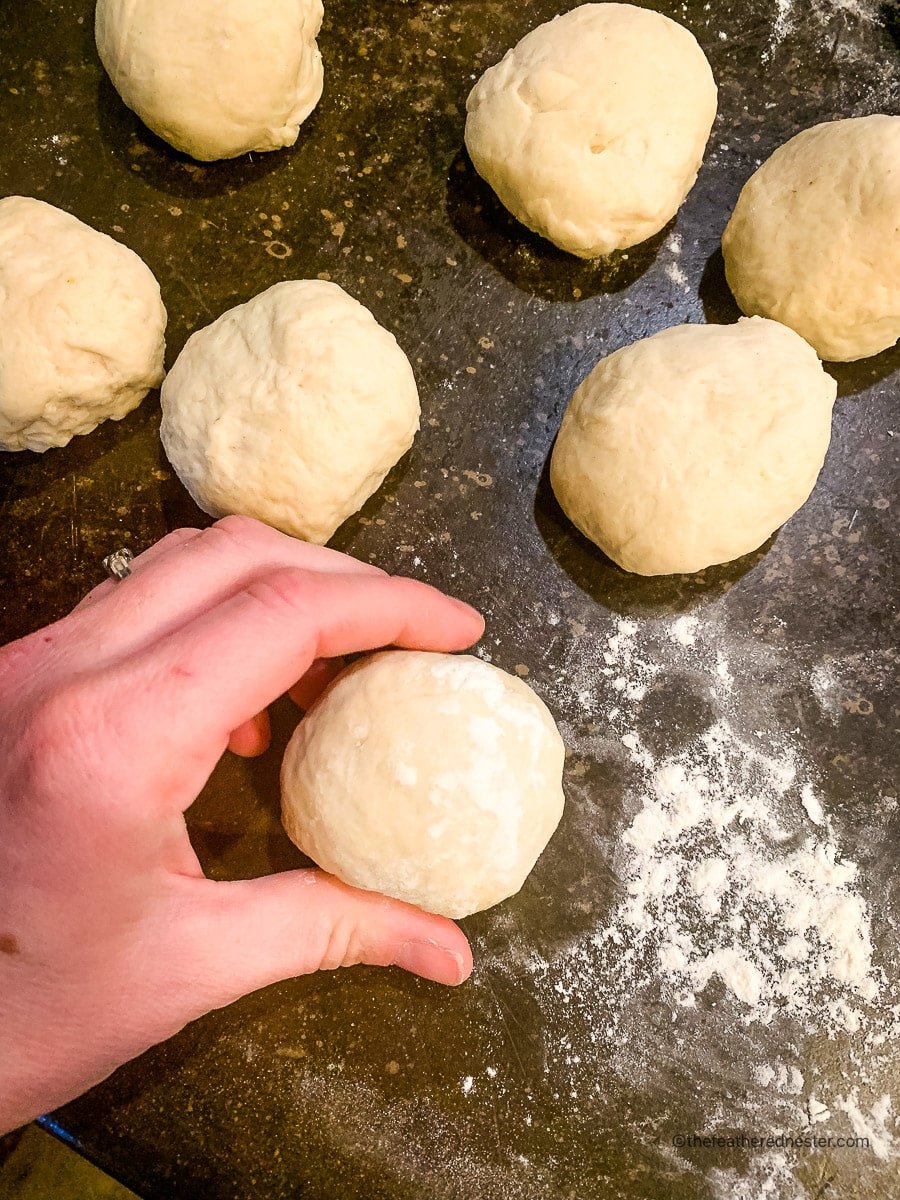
[
  {"x": 691, "y": 447},
  {"x": 814, "y": 241},
  {"x": 434, "y": 778},
  {"x": 82, "y": 327},
  {"x": 215, "y": 78},
  {"x": 290, "y": 408},
  {"x": 592, "y": 130}
]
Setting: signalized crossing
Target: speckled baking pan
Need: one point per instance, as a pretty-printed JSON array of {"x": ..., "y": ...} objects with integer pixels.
[{"x": 576, "y": 1059}]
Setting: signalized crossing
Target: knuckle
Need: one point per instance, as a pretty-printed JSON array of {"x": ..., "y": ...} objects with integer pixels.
[
  {"x": 33, "y": 659},
  {"x": 178, "y": 537},
  {"x": 174, "y": 540},
  {"x": 64, "y": 710},
  {"x": 233, "y": 539},
  {"x": 342, "y": 946},
  {"x": 233, "y": 530},
  {"x": 16, "y": 660},
  {"x": 285, "y": 591},
  {"x": 56, "y": 730}
]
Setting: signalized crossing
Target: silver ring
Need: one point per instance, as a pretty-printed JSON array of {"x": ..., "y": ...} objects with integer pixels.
[{"x": 118, "y": 565}]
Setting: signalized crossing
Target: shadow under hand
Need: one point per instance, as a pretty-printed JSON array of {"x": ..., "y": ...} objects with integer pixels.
[
  {"x": 265, "y": 781},
  {"x": 621, "y": 591},
  {"x": 235, "y": 825},
  {"x": 164, "y": 167},
  {"x": 527, "y": 260}
]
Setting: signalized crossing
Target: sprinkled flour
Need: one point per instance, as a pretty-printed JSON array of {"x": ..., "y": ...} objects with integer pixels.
[
  {"x": 730, "y": 894},
  {"x": 720, "y": 833},
  {"x": 676, "y": 274},
  {"x": 730, "y": 869},
  {"x": 875, "y": 1124},
  {"x": 789, "y": 14},
  {"x": 684, "y": 631}
]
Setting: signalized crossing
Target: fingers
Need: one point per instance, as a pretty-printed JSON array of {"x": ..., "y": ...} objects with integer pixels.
[
  {"x": 191, "y": 571},
  {"x": 178, "y": 537},
  {"x": 251, "y": 739},
  {"x": 323, "y": 671},
  {"x": 223, "y": 668},
  {"x": 237, "y": 937}
]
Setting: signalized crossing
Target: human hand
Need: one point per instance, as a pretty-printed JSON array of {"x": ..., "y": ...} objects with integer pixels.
[{"x": 111, "y": 721}]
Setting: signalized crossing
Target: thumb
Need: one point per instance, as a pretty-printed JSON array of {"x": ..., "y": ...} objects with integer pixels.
[{"x": 242, "y": 936}]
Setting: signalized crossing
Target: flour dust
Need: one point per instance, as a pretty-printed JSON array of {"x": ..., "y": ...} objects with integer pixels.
[{"x": 736, "y": 903}]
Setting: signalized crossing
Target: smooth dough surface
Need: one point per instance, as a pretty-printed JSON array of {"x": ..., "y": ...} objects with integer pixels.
[
  {"x": 290, "y": 408},
  {"x": 814, "y": 241},
  {"x": 215, "y": 78},
  {"x": 693, "y": 446},
  {"x": 82, "y": 327},
  {"x": 592, "y": 129},
  {"x": 433, "y": 778}
]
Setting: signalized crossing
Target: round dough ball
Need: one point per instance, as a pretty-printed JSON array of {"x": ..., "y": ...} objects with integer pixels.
[
  {"x": 592, "y": 129},
  {"x": 434, "y": 778},
  {"x": 82, "y": 327},
  {"x": 290, "y": 408},
  {"x": 691, "y": 447},
  {"x": 814, "y": 241},
  {"x": 215, "y": 78}
]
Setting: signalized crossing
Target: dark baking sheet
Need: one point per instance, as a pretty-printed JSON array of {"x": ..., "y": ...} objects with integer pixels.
[{"x": 354, "y": 1084}]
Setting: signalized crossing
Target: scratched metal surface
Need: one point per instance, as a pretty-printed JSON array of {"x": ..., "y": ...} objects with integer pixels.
[{"x": 349, "y": 1085}]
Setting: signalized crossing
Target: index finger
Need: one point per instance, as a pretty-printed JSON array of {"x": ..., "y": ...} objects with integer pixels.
[
  {"x": 190, "y": 572},
  {"x": 209, "y": 677}
]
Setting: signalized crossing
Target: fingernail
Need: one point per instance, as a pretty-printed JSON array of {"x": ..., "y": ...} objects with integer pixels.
[
  {"x": 467, "y": 609},
  {"x": 432, "y": 961}
]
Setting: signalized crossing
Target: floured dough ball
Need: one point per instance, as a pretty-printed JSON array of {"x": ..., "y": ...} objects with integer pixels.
[
  {"x": 691, "y": 447},
  {"x": 82, "y": 327},
  {"x": 592, "y": 129},
  {"x": 215, "y": 78},
  {"x": 434, "y": 778},
  {"x": 814, "y": 241},
  {"x": 290, "y": 408}
]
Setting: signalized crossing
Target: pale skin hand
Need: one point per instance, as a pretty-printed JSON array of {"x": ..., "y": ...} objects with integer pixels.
[{"x": 111, "y": 720}]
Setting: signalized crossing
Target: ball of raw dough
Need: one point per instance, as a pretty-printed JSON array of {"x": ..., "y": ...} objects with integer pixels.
[
  {"x": 592, "y": 129},
  {"x": 434, "y": 778},
  {"x": 215, "y": 78},
  {"x": 691, "y": 447},
  {"x": 814, "y": 241},
  {"x": 290, "y": 408},
  {"x": 82, "y": 327}
]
